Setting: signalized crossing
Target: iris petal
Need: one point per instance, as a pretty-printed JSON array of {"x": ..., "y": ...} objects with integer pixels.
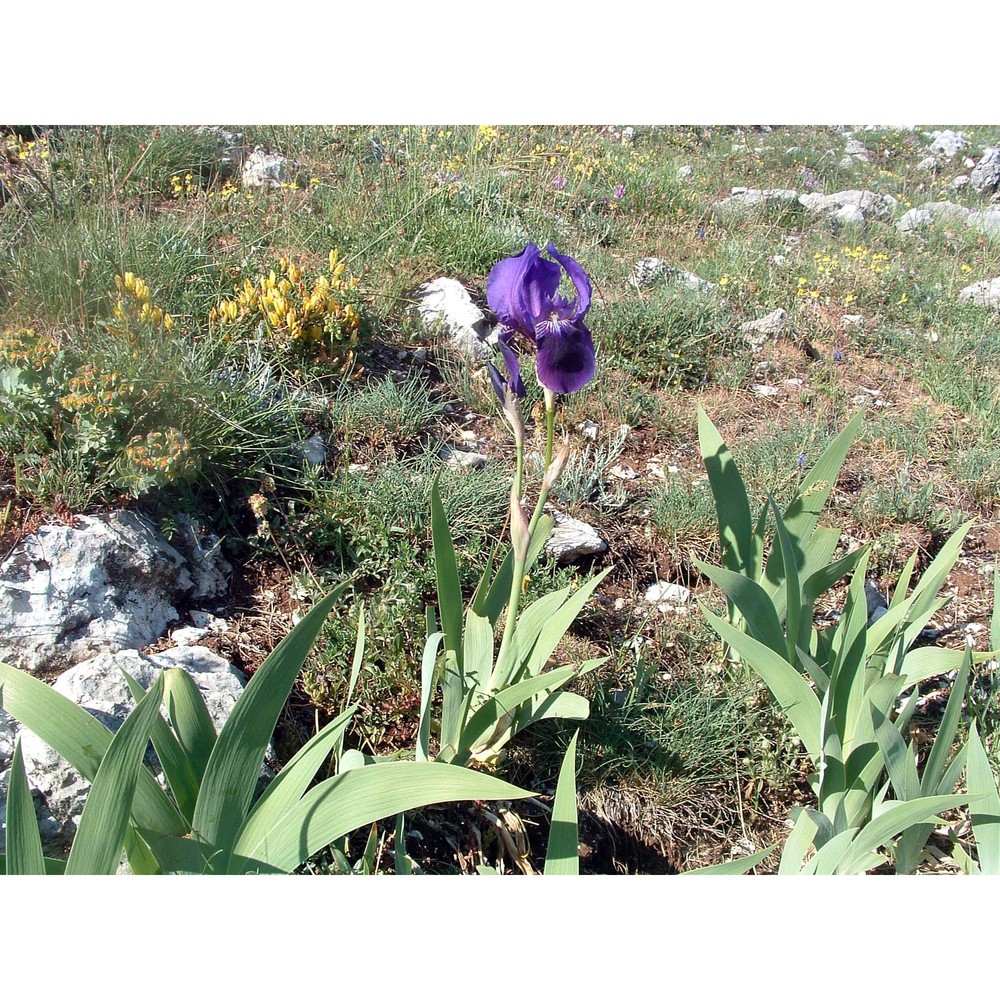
[
  {"x": 505, "y": 282},
  {"x": 566, "y": 359},
  {"x": 579, "y": 278},
  {"x": 510, "y": 363},
  {"x": 523, "y": 291}
]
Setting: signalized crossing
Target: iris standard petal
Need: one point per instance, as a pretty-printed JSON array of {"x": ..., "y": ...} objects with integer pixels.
[
  {"x": 504, "y": 284},
  {"x": 566, "y": 360},
  {"x": 538, "y": 294},
  {"x": 579, "y": 278}
]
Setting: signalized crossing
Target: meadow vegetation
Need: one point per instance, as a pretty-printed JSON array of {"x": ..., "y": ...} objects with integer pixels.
[{"x": 174, "y": 341}]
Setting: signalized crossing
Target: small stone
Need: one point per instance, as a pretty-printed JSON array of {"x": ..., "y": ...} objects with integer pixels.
[
  {"x": 765, "y": 390},
  {"x": 684, "y": 172},
  {"x": 623, "y": 471},
  {"x": 457, "y": 458},
  {"x": 266, "y": 169},
  {"x": 849, "y": 214},
  {"x": 313, "y": 450},
  {"x": 188, "y": 635},
  {"x": 670, "y": 593},
  {"x": 929, "y": 164},
  {"x": 947, "y": 143},
  {"x": 985, "y": 176},
  {"x": 588, "y": 429},
  {"x": 211, "y": 623},
  {"x": 985, "y": 222},
  {"x": 852, "y": 319},
  {"x": 572, "y": 539}
]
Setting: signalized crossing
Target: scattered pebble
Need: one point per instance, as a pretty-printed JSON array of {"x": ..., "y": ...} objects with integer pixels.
[
  {"x": 765, "y": 390},
  {"x": 459, "y": 459},
  {"x": 664, "y": 591}
]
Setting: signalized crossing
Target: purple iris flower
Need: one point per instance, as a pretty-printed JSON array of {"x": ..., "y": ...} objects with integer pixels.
[
  {"x": 523, "y": 291},
  {"x": 619, "y": 192}
]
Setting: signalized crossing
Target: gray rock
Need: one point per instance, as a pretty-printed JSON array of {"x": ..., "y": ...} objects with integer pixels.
[
  {"x": 649, "y": 270},
  {"x": 459, "y": 458},
  {"x": 959, "y": 182},
  {"x": 914, "y": 219},
  {"x": 203, "y": 551},
  {"x": 572, "y": 539},
  {"x": 982, "y": 293},
  {"x": 856, "y": 149},
  {"x": 985, "y": 222},
  {"x": 264, "y": 169},
  {"x": 745, "y": 201},
  {"x": 875, "y": 601},
  {"x": 929, "y": 164},
  {"x": 684, "y": 172},
  {"x": 98, "y": 686},
  {"x": 763, "y": 196},
  {"x": 849, "y": 215},
  {"x": 758, "y": 330},
  {"x": 313, "y": 450},
  {"x": 445, "y": 305},
  {"x": 69, "y": 592},
  {"x": 985, "y": 177},
  {"x": 931, "y": 212},
  {"x": 947, "y": 143},
  {"x": 870, "y": 205}
]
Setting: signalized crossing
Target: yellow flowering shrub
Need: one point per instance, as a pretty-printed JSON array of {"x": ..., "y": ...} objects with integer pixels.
[
  {"x": 97, "y": 395},
  {"x": 158, "y": 457},
  {"x": 318, "y": 318},
  {"x": 133, "y": 305},
  {"x": 26, "y": 349}
]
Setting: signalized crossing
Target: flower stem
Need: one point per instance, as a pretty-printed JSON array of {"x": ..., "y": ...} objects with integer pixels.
[{"x": 550, "y": 430}]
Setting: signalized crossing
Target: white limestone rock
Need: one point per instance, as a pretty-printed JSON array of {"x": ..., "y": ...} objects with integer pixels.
[
  {"x": 667, "y": 593},
  {"x": 985, "y": 222},
  {"x": 982, "y": 293},
  {"x": 445, "y": 305},
  {"x": 572, "y": 539},
  {"x": 264, "y": 169},
  {"x": 67, "y": 592},
  {"x": 869, "y": 204},
  {"x": 985, "y": 177},
  {"x": 757, "y": 331},
  {"x": 947, "y": 143},
  {"x": 459, "y": 458},
  {"x": 649, "y": 270},
  {"x": 931, "y": 212}
]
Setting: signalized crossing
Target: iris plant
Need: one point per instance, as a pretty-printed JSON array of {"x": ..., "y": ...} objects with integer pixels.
[{"x": 523, "y": 291}]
